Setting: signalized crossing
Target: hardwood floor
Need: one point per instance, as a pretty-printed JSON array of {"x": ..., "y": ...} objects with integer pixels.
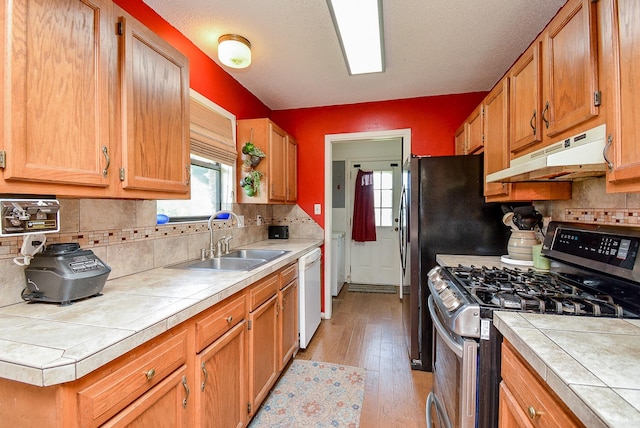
[{"x": 366, "y": 331}]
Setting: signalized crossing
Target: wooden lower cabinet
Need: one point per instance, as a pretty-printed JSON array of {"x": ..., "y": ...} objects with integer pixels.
[
  {"x": 526, "y": 400},
  {"x": 213, "y": 370},
  {"x": 221, "y": 399},
  {"x": 288, "y": 341},
  {"x": 164, "y": 406},
  {"x": 263, "y": 355}
]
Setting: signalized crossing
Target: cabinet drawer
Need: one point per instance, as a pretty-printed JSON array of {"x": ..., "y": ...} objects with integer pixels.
[
  {"x": 263, "y": 290},
  {"x": 221, "y": 318},
  {"x": 112, "y": 389},
  {"x": 288, "y": 274},
  {"x": 532, "y": 394}
]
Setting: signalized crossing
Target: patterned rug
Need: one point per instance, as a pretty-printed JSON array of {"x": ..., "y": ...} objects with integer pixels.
[{"x": 314, "y": 394}]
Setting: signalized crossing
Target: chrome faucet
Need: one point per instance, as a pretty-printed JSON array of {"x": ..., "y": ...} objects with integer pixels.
[{"x": 212, "y": 248}]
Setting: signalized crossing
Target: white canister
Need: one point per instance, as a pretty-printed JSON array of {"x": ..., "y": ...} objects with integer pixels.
[{"x": 520, "y": 243}]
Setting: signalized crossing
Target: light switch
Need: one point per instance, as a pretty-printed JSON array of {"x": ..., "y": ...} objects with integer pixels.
[{"x": 317, "y": 209}]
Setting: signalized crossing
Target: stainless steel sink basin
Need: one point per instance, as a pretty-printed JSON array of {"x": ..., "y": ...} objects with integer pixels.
[
  {"x": 221, "y": 263},
  {"x": 255, "y": 254}
]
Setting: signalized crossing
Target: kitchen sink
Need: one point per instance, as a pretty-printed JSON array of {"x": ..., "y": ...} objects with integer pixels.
[
  {"x": 255, "y": 254},
  {"x": 237, "y": 260},
  {"x": 221, "y": 263}
]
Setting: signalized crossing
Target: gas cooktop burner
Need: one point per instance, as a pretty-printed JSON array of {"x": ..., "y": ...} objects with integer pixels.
[{"x": 530, "y": 290}]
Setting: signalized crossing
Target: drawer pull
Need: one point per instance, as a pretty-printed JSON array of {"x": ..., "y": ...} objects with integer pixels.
[
  {"x": 206, "y": 376},
  {"x": 533, "y": 412},
  {"x": 150, "y": 374},
  {"x": 186, "y": 388},
  {"x": 229, "y": 319}
]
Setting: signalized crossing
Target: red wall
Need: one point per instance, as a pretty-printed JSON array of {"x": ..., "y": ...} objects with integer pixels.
[{"x": 433, "y": 122}]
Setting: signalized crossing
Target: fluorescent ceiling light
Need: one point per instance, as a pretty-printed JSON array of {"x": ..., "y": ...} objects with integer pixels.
[{"x": 359, "y": 28}]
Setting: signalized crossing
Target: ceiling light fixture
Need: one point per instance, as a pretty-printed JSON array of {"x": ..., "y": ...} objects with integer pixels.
[
  {"x": 234, "y": 51},
  {"x": 359, "y": 28}
]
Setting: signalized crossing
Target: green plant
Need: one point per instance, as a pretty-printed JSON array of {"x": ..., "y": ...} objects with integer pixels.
[{"x": 251, "y": 183}]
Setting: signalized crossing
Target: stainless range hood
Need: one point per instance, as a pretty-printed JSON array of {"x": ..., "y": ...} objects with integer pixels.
[{"x": 572, "y": 158}]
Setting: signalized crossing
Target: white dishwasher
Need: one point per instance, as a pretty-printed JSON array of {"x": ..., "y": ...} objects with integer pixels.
[{"x": 309, "y": 294}]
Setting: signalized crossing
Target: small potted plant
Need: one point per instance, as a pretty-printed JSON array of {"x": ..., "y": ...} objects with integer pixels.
[
  {"x": 253, "y": 155},
  {"x": 251, "y": 183}
]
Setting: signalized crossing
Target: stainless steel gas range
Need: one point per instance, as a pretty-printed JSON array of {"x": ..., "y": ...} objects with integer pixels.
[{"x": 595, "y": 272}]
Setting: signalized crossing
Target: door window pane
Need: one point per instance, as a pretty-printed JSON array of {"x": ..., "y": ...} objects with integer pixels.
[{"x": 383, "y": 197}]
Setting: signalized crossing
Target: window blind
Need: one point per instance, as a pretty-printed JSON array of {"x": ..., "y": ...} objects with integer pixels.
[{"x": 211, "y": 134}]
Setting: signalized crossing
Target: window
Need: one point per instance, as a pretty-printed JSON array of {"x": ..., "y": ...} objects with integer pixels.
[
  {"x": 211, "y": 189},
  {"x": 213, "y": 154},
  {"x": 383, "y": 198}
]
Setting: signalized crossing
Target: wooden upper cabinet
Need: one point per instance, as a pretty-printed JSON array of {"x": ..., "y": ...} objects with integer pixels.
[
  {"x": 56, "y": 92},
  {"x": 496, "y": 128},
  {"x": 526, "y": 99},
  {"x": 554, "y": 92},
  {"x": 277, "y": 153},
  {"x": 572, "y": 67},
  {"x": 154, "y": 102},
  {"x": 475, "y": 140},
  {"x": 460, "y": 140},
  {"x": 292, "y": 169},
  {"x": 279, "y": 166},
  {"x": 89, "y": 112},
  {"x": 469, "y": 137},
  {"x": 623, "y": 124}
]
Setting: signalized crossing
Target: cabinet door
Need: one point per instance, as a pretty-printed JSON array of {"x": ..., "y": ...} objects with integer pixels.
[
  {"x": 56, "y": 91},
  {"x": 263, "y": 355},
  {"x": 624, "y": 120},
  {"x": 476, "y": 131},
  {"x": 166, "y": 405},
  {"x": 572, "y": 69},
  {"x": 154, "y": 111},
  {"x": 292, "y": 169},
  {"x": 526, "y": 98},
  {"x": 496, "y": 151},
  {"x": 221, "y": 399},
  {"x": 288, "y": 321},
  {"x": 277, "y": 156},
  {"x": 460, "y": 140},
  {"x": 509, "y": 413}
]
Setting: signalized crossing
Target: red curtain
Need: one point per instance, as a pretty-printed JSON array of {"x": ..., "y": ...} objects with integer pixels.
[{"x": 364, "y": 218}]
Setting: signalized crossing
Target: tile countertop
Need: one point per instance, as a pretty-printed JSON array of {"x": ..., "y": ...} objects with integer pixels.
[
  {"x": 592, "y": 364},
  {"x": 46, "y": 344}
]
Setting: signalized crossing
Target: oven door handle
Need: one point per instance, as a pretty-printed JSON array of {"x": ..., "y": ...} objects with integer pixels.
[{"x": 446, "y": 337}]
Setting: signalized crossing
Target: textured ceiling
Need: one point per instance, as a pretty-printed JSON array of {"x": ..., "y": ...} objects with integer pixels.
[{"x": 432, "y": 47}]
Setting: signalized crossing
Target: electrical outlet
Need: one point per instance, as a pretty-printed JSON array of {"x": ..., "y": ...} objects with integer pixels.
[{"x": 317, "y": 209}]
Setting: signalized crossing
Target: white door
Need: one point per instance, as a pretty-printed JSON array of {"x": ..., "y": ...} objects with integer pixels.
[{"x": 377, "y": 262}]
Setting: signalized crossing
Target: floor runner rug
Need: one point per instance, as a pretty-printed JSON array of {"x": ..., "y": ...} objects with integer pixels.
[
  {"x": 314, "y": 394},
  {"x": 368, "y": 288}
]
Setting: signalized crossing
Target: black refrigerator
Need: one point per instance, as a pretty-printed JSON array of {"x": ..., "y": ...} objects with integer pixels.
[{"x": 442, "y": 211}]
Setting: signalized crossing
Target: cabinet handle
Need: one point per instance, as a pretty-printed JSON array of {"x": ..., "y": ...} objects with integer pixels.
[
  {"x": 188, "y": 168},
  {"x": 544, "y": 112},
  {"x": 533, "y": 412},
  {"x": 105, "y": 152},
  {"x": 532, "y": 122},
  {"x": 186, "y": 388},
  {"x": 605, "y": 150},
  {"x": 206, "y": 376},
  {"x": 150, "y": 374},
  {"x": 229, "y": 319}
]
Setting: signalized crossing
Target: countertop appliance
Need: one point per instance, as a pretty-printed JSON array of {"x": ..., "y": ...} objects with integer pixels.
[
  {"x": 442, "y": 211},
  {"x": 63, "y": 273},
  {"x": 595, "y": 272},
  {"x": 278, "y": 232},
  {"x": 309, "y": 295}
]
